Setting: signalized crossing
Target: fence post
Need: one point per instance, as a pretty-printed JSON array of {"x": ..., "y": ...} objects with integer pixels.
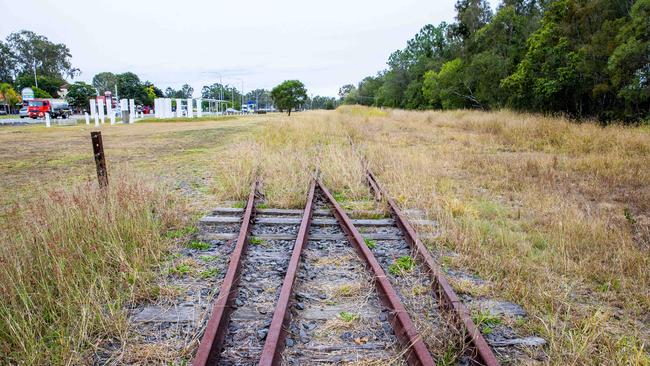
[{"x": 100, "y": 160}]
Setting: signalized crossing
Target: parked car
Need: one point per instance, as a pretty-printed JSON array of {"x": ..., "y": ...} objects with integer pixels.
[
  {"x": 23, "y": 112},
  {"x": 3, "y": 112},
  {"x": 60, "y": 109}
]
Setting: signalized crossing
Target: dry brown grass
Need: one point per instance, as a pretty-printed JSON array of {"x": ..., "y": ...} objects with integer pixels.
[
  {"x": 70, "y": 260},
  {"x": 553, "y": 214}
]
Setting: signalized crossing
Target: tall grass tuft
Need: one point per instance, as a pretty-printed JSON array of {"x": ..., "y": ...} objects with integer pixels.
[{"x": 70, "y": 260}]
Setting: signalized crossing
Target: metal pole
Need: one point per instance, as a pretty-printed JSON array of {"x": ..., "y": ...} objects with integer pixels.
[
  {"x": 35, "y": 79},
  {"x": 100, "y": 160}
]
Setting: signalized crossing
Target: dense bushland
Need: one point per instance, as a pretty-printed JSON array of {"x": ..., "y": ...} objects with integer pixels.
[{"x": 582, "y": 58}]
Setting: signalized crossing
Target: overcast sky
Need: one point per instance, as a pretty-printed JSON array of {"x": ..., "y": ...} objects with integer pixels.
[{"x": 324, "y": 44}]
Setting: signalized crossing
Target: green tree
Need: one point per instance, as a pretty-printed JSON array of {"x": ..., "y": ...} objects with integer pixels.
[
  {"x": 345, "y": 90},
  {"x": 447, "y": 88},
  {"x": 130, "y": 87},
  {"x": 105, "y": 81},
  {"x": 40, "y": 93},
  {"x": 629, "y": 64},
  {"x": 185, "y": 91},
  {"x": 321, "y": 102},
  {"x": 50, "y": 84},
  {"x": 230, "y": 93},
  {"x": 289, "y": 95},
  {"x": 31, "y": 51},
  {"x": 565, "y": 64},
  {"x": 8, "y": 96},
  {"x": 7, "y": 64},
  {"x": 368, "y": 88},
  {"x": 471, "y": 15},
  {"x": 79, "y": 93},
  {"x": 580, "y": 57}
]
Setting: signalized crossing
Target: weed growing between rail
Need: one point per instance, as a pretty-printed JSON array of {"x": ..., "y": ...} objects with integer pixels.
[{"x": 70, "y": 260}]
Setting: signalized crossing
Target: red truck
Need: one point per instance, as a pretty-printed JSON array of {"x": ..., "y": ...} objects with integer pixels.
[{"x": 38, "y": 107}]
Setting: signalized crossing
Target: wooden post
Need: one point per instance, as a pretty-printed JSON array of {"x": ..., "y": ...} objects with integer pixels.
[{"x": 100, "y": 160}]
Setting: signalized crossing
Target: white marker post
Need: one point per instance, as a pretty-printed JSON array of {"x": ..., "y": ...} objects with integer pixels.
[
  {"x": 199, "y": 108},
  {"x": 87, "y": 118},
  {"x": 124, "y": 107},
  {"x": 190, "y": 112},
  {"x": 179, "y": 110},
  {"x": 162, "y": 104},
  {"x": 132, "y": 112},
  {"x": 93, "y": 111},
  {"x": 100, "y": 109},
  {"x": 155, "y": 108},
  {"x": 47, "y": 119},
  {"x": 109, "y": 110}
]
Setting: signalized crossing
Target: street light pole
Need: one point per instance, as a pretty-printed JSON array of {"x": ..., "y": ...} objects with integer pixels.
[{"x": 35, "y": 79}]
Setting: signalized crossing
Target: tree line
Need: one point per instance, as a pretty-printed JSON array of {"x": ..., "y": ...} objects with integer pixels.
[
  {"x": 28, "y": 59},
  {"x": 582, "y": 58}
]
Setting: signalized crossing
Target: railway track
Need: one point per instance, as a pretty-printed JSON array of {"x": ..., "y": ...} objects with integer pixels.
[{"x": 315, "y": 286}]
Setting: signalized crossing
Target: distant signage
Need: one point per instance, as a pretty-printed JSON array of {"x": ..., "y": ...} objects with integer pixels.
[{"x": 27, "y": 94}]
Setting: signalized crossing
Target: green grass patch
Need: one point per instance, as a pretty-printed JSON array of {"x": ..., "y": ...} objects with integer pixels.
[
  {"x": 370, "y": 243},
  {"x": 180, "y": 269},
  {"x": 208, "y": 258},
  {"x": 68, "y": 160},
  {"x": 179, "y": 233},
  {"x": 348, "y": 317},
  {"x": 370, "y": 215},
  {"x": 209, "y": 273},
  {"x": 401, "y": 265},
  {"x": 339, "y": 196},
  {"x": 256, "y": 241},
  {"x": 486, "y": 321},
  {"x": 198, "y": 245}
]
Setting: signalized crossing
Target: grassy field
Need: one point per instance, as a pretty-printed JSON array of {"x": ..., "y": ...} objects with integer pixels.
[{"x": 554, "y": 215}]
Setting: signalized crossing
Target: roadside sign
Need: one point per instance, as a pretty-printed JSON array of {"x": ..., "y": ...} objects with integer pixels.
[{"x": 27, "y": 94}]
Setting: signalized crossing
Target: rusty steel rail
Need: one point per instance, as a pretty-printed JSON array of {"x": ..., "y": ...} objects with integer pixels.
[
  {"x": 481, "y": 352},
  {"x": 416, "y": 351},
  {"x": 217, "y": 327},
  {"x": 275, "y": 339}
]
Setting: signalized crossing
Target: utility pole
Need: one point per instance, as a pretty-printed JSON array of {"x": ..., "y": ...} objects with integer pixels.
[
  {"x": 35, "y": 79},
  {"x": 242, "y": 92}
]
